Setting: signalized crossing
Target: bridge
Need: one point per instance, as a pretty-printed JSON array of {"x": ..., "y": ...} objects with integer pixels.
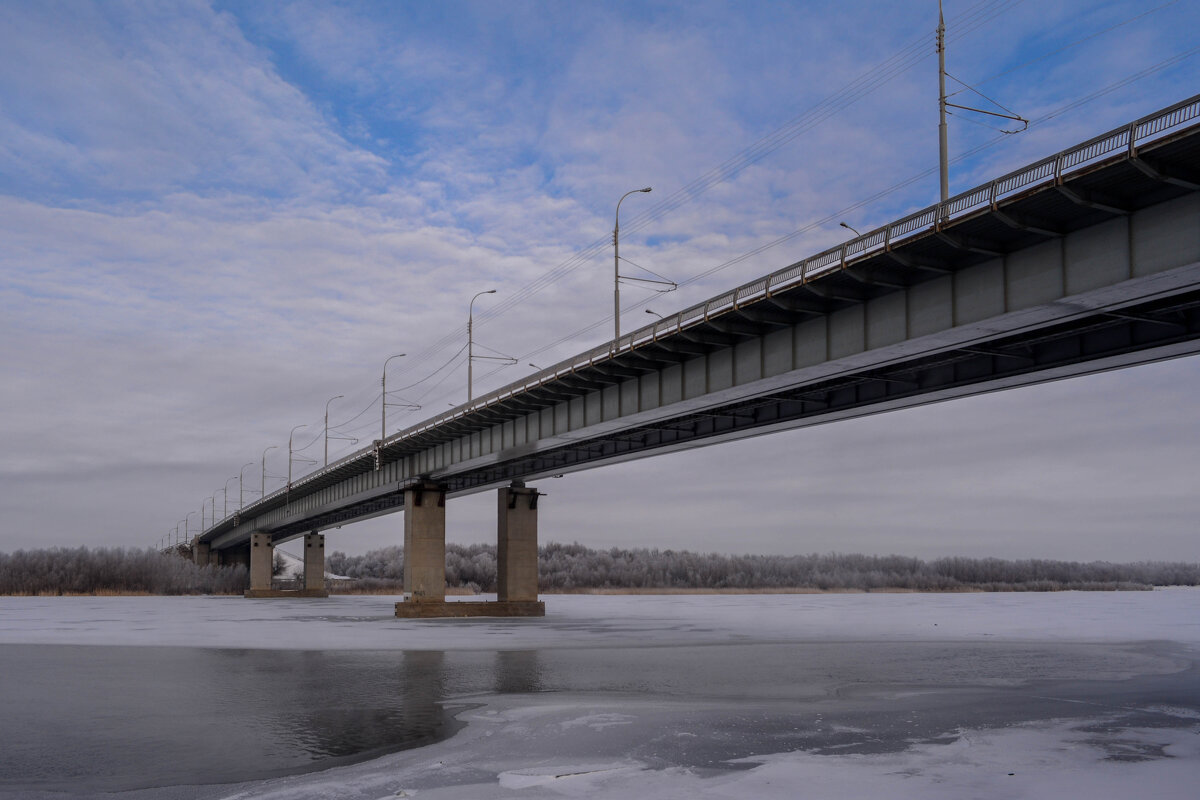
[{"x": 1084, "y": 261}]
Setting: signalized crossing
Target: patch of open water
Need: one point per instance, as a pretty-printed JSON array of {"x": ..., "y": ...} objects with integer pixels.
[{"x": 81, "y": 719}]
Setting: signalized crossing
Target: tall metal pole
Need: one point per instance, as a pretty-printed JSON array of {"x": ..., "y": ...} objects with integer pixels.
[
  {"x": 617, "y": 266},
  {"x": 186, "y": 533},
  {"x": 241, "y": 496},
  {"x": 237, "y": 478},
  {"x": 943, "y": 149},
  {"x": 263, "y": 490},
  {"x": 471, "y": 341},
  {"x": 290, "y": 435},
  {"x": 383, "y": 399},
  {"x": 327, "y": 402}
]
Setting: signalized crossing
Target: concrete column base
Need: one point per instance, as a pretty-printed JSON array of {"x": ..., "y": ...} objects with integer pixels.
[
  {"x": 253, "y": 593},
  {"x": 470, "y": 608},
  {"x": 314, "y": 562},
  {"x": 425, "y": 543},
  {"x": 517, "y": 544},
  {"x": 262, "y": 561}
]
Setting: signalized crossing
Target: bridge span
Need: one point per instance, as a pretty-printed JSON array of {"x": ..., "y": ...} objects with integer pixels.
[{"x": 1084, "y": 261}]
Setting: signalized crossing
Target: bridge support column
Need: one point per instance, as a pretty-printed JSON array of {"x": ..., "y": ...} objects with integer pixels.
[
  {"x": 516, "y": 544},
  {"x": 201, "y": 554},
  {"x": 262, "y": 563},
  {"x": 314, "y": 565},
  {"x": 425, "y": 544},
  {"x": 425, "y": 557}
]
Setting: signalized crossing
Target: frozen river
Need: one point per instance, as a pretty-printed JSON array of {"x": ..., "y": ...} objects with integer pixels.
[{"x": 896, "y": 695}]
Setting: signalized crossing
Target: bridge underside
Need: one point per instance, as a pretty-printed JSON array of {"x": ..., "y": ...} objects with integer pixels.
[
  {"x": 1118, "y": 337},
  {"x": 1096, "y": 271}
]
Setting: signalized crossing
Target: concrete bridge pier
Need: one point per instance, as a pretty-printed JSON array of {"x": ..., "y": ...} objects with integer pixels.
[
  {"x": 314, "y": 565},
  {"x": 201, "y": 554},
  {"x": 425, "y": 556},
  {"x": 262, "y": 567},
  {"x": 262, "y": 564},
  {"x": 425, "y": 544},
  {"x": 516, "y": 544}
]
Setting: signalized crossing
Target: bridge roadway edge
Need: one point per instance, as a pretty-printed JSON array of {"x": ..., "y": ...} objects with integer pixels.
[{"x": 1149, "y": 315}]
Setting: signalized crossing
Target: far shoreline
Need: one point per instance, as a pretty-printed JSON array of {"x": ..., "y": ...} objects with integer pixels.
[{"x": 648, "y": 591}]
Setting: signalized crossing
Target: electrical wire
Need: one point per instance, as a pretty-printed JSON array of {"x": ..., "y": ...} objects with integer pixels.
[
  {"x": 967, "y": 22},
  {"x": 1160, "y": 66}
]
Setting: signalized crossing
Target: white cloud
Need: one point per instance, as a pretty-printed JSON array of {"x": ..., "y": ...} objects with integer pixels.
[{"x": 214, "y": 221}]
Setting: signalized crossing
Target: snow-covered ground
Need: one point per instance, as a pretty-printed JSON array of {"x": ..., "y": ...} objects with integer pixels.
[{"x": 602, "y": 745}]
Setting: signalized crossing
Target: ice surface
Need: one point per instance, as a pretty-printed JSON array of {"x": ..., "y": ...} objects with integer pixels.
[
  {"x": 368, "y": 622},
  {"x": 604, "y": 745},
  {"x": 503, "y": 753}
]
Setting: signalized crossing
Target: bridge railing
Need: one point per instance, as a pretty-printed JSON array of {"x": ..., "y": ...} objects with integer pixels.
[{"x": 1048, "y": 170}]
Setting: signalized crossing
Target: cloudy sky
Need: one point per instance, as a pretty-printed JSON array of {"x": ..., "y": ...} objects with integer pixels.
[{"x": 215, "y": 217}]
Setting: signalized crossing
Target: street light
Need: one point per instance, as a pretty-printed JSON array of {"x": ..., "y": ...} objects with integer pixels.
[
  {"x": 655, "y": 313},
  {"x": 617, "y": 266},
  {"x": 263, "y": 491},
  {"x": 854, "y": 230},
  {"x": 471, "y": 339},
  {"x": 241, "y": 496},
  {"x": 186, "y": 533},
  {"x": 225, "y": 497},
  {"x": 383, "y": 399},
  {"x": 327, "y": 402},
  {"x": 289, "y": 480}
]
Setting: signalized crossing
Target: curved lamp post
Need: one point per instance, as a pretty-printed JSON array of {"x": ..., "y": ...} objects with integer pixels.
[
  {"x": 471, "y": 339},
  {"x": 327, "y": 402},
  {"x": 241, "y": 496},
  {"x": 225, "y": 496},
  {"x": 290, "y": 435},
  {"x": 263, "y": 490},
  {"x": 617, "y": 266},
  {"x": 383, "y": 399}
]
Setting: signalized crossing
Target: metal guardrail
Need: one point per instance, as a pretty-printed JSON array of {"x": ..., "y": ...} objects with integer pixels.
[{"x": 1052, "y": 169}]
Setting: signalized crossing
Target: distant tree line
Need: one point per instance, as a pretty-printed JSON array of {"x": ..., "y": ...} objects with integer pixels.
[
  {"x": 573, "y": 567},
  {"x": 568, "y": 567},
  {"x": 113, "y": 570}
]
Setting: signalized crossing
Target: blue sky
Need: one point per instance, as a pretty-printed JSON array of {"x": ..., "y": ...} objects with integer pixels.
[{"x": 215, "y": 217}]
